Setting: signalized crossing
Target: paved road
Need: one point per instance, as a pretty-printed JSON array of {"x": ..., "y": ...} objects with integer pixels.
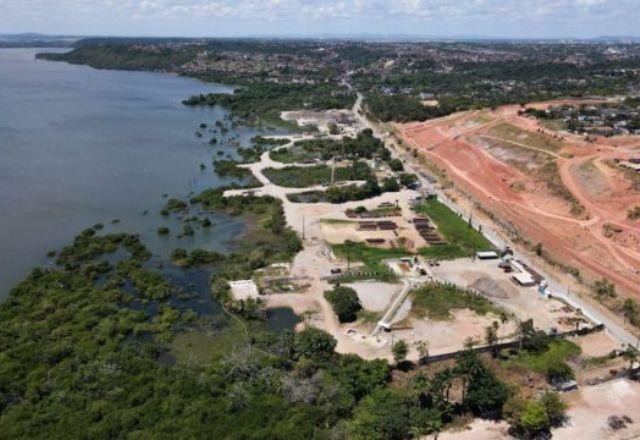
[{"x": 612, "y": 327}]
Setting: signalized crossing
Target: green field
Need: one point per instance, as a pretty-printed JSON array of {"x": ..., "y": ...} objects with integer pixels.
[
  {"x": 462, "y": 240},
  {"x": 437, "y": 300},
  {"x": 372, "y": 257},
  {"x": 303, "y": 177},
  {"x": 307, "y": 151},
  {"x": 559, "y": 351}
]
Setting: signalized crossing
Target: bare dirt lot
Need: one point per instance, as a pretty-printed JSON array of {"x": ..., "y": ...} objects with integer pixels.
[
  {"x": 524, "y": 302},
  {"x": 375, "y": 296},
  {"x": 589, "y": 409},
  {"x": 555, "y": 188}
]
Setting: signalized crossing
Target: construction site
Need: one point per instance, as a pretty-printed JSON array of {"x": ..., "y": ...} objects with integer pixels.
[{"x": 567, "y": 194}]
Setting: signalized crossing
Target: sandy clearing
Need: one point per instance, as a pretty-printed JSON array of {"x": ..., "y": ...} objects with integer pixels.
[
  {"x": 375, "y": 296},
  {"x": 596, "y": 344},
  {"x": 524, "y": 302},
  {"x": 445, "y": 336}
]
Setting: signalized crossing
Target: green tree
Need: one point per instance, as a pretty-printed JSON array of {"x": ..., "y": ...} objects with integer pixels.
[
  {"x": 631, "y": 354},
  {"x": 559, "y": 371},
  {"x": 345, "y": 303},
  {"x": 407, "y": 179},
  {"x": 604, "y": 289},
  {"x": 400, "y": 351},
  {"x": 383, "y": 415},
  {"x": 485, "y": 394},
  {"x": 491, "y": 336},
  {"x": 360, "y": 377},
  {"x": 390, "y": 184},
  {"x": 534, "y": 417},
  {"x": 423, "y": 352},
  {"x": 631, "y": 311},
  {"x": 554, "y": 406},
  {"x": 396, "y": 165},
  {"x": 314, "y": 344}
]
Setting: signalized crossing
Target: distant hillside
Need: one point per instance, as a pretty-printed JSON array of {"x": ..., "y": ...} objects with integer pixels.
[{"x": 36, "y": 40}]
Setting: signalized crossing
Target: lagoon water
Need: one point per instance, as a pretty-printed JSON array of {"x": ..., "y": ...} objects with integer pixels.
[{"x": 80, "y": 146}]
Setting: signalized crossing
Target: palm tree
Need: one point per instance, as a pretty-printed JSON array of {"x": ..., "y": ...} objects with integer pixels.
[
  {"x": 525, "y": 330},
  {"x": 631, "y": 354},
  {"x": 491, "y": 337},
  {"x": 423, "y": 351}
]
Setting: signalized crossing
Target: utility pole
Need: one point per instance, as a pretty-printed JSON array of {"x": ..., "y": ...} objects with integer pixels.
[{"x": 303, "y": 227}]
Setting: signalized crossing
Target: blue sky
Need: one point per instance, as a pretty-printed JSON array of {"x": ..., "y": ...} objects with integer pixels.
[{"x": 491, "y": 18}]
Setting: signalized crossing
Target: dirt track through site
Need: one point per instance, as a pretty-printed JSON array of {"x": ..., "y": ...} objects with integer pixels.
[{"x": 566, "y": 201}]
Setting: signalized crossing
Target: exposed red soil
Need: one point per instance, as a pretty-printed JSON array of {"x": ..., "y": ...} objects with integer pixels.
[{"x": 584, "y": 169}]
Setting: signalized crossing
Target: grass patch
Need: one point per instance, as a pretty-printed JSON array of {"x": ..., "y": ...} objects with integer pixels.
[
  {"x": 204, "y": 347},
  {"x": 306, "y": 151},
  {"x": 463, "y": 240},
  {"x": 512, "y": 133},
  {"x": 437, "y": 300},
  {"x": 200, "y": 347},
  {"x": 302, "y": 177},
  {"x": 368, "y": 317},
  {"x": 372, "y": 258},
  {"x": 558, "y": 352},
  {"x": 443, "y": 252},
  {"x": 336, "y": 221},
  {"x": 599, "y": 361},
  {"x": 292, "y": 155},
  {"x": 308, "y": 197}
]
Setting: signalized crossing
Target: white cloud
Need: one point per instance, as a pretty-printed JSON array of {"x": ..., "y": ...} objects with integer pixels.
[{"x": 496, "y": 17}]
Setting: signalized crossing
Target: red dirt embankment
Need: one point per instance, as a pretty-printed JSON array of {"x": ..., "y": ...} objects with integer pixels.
[{"x": 566, "y": 202}]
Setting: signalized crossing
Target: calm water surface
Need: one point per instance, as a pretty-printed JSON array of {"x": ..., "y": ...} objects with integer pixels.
[{"x": 80, "y": 146}]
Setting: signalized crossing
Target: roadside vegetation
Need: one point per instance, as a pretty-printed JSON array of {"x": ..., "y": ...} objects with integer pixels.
[{"x": 605, "y": 292}]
